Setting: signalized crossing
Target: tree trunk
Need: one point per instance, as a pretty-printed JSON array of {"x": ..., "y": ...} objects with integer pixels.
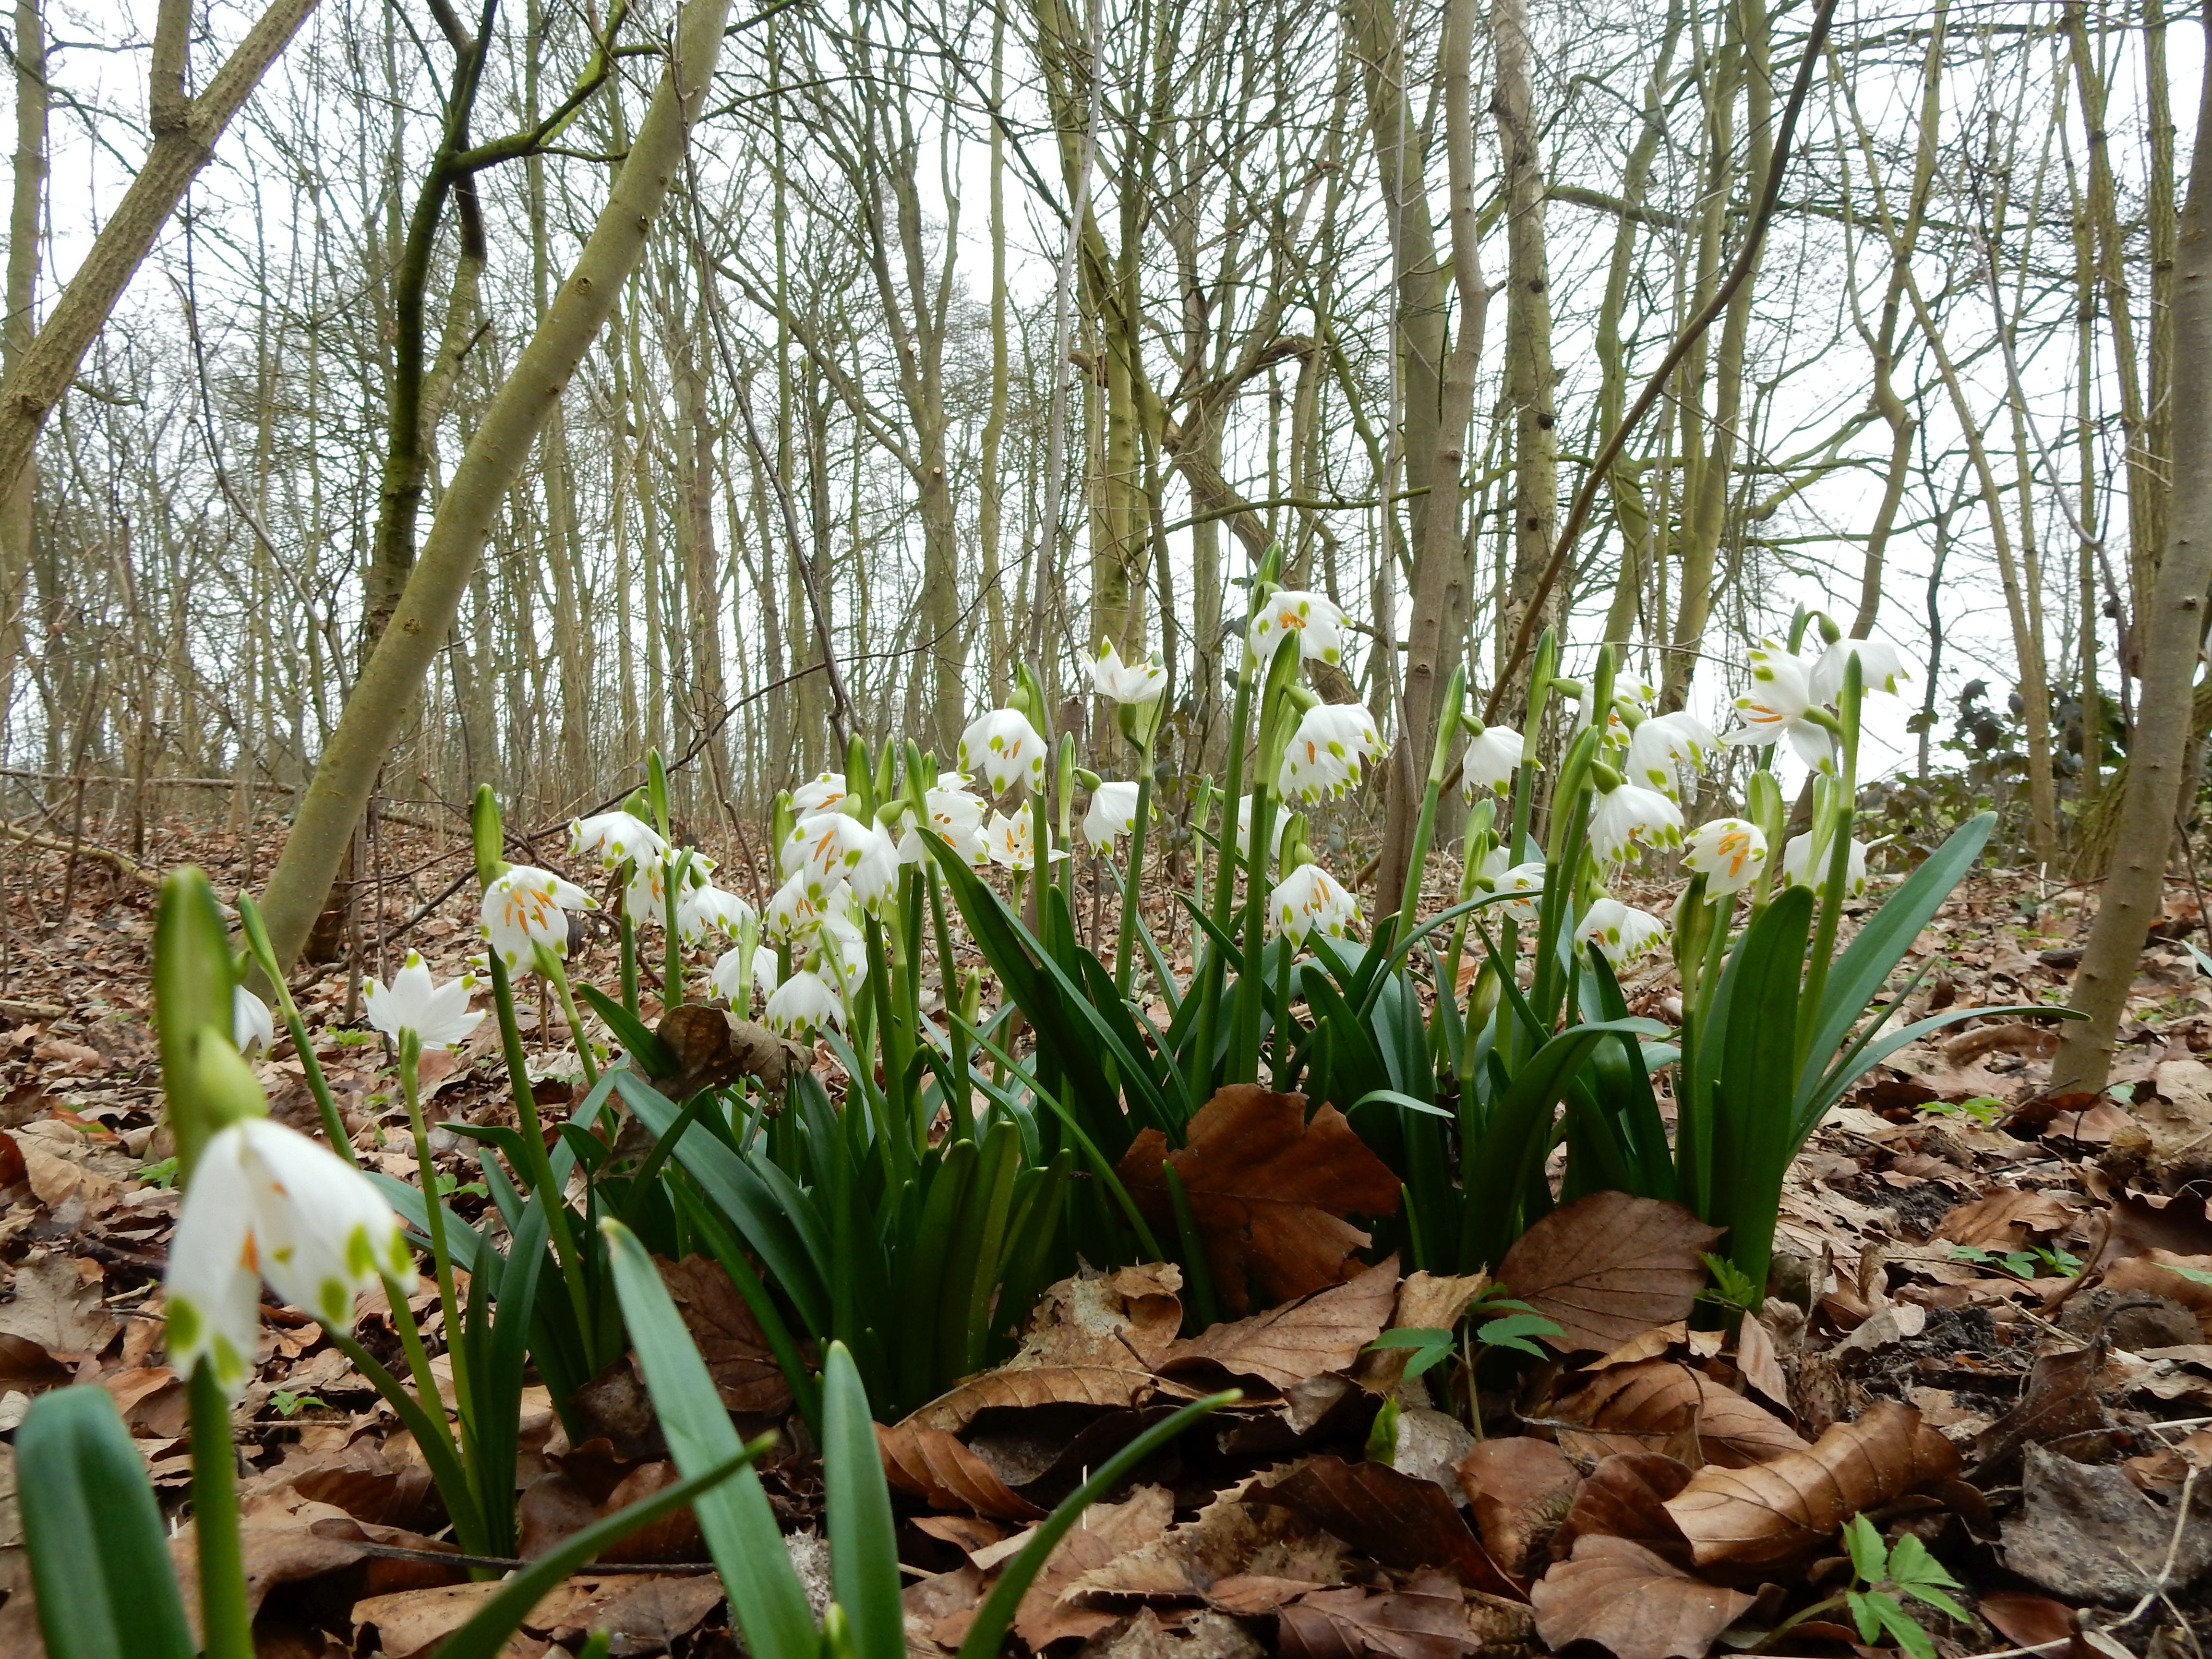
[{"x": 25, "y": 221}]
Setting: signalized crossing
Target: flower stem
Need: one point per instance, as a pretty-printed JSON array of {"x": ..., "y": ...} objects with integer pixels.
[
  {"x": 418, "y": 1361},
  {"x": 552, "y": 966},
  {"x": 1133, "y": 881},
  {"x": 539, "y": 1168},
  {"x": 224, "y": 1618},
  {"x": 264, "y": 957},
  {"x": 434, "y": 1209}
]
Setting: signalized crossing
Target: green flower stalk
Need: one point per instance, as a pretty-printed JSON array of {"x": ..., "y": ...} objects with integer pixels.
[{"x": 265, "y": 959}]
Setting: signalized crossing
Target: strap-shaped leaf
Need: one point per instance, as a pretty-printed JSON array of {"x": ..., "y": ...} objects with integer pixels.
[
  {"x": 650, "y": 1054},
  {"x": 864, "y": 1567},
  {"x": 100, "y": 1559}
]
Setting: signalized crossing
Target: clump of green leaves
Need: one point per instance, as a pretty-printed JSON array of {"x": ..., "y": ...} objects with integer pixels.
[
  {"x": 2022, "y": 1264},
  {"x": 1880, "y": 1575},
  {"x": 1984, "y": 1110},
  {"x": 1732, "y": 1288},
  {"x": 1504, "y": 1323}
]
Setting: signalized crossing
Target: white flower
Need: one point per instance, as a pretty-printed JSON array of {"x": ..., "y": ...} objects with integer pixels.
[
  {"x": 1881, "y": 666},
  {"x": 821, "y": 794},
  {"x": 1112, "y": 812},
  {"x": 1635, "y": 692},
  {"x": 1666, "y": 751},
  {"x": 1492, "y": 866},
  {"x": 1776, "y": 704},
  {"x": 251, "y": 1024},
  {"x": 1011, "y": 841},
  {"x": 266, "y": 1201},
  {"x": 803, "y": 1004},
  {"x": 733, "y": 979},
  {"x": 698, "y": 909},
  {"x": 1245, "y": 829},
  {"x": 1621, "y": 933},
  {"x": 1729, "y": 852},
  {"x": 1317, "y": 622},
  {"x": 613, "y": 837},
  {"x": 839, "y": 954},
  {"x": 1490, "y": 760},
  {"x": 1797, "y": 854},
  {"x": 793, "y": 913},
  {"x": 1527, "y": 878},
  {"x": 873, "y": 881},
  {"x": 1004, "y": 746},
  {"x": 1630, "y": 819},
  {"x": 1325, "y": 755},
  {"x": 954, "y": 814},
  {"x": 645, "y": 899},
  {"x": 438, "y": 1014},
  {"x": 1140, "y": 681},
  {"x": 830, "y": 846},
  {"x": 1308, "y": 899},
  {"x": 528, "y": 907}
]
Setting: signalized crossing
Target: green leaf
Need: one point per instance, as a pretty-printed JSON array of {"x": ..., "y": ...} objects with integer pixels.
[
  {"x": 1514, "y": 1330},
  {"x": 997, "y": 1613},
  {"x": 766, "y": 1597},
  {"x": 644, "y": 1046},
  {"x": 1892, "y": 1616},
  {"x": 1411, "y": 1336},
  {"x": 100, "y": 1558},
  {"x": 1869, "y": 1556},
  {"x": 863, "y": 1549},
  {"x": 484, "y": 1635},
  {"x": 1393, "y": 1097}
]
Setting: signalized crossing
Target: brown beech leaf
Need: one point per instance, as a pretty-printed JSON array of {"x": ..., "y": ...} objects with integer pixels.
[
  {"x": 1125, "y": 1320},
  {"x": 1786, "y": 1509},
  {"x": 1268, "y": 1190},
  {"x": 1039, "y": 1385},
  {"x": 59, "y": 1307},
  {"x": 1400, "y": 1520},
  {"x": 1609, "y": 1265},
  {"x": 712, "y": 1047},
  {"x": 737, "y": 1356},
  {"x": 2004, "y": 1219},
  {"x": 1761, "y": 1366},
  {"x": 1320, "y": 1333},
  {"x": 1626, "y": 1497},
  {"x": 1647, "y": 1406},
  {"x": 2154, "y": 1272},
  {"x": 1621, "y": 1597},
  {"x": 1229, "y": 1539},
  {"x": 2026, "y": 1621},
  {"x": 2087, "y": 1534},
  {"x": 933, "y": 1465},
  {"x": 1519, "y": 1489},
  {"x": 1427, "y": 1619},
  {"x": 1426, "y": 1301},
  {"x": 2137, "y": 1224}
]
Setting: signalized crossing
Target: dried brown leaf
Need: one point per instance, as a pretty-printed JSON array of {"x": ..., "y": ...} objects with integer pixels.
[
  {"x": 1427, "y": 1619},
  {"x": 2154, "y": 1272},
  {"x": 1040, "y": 1385},
  {"x": 1786, "y": 1509},
  {"x": 1400, "y": 1520},
  {"x": 1126, "y": 1319},
  {"x": 737, "y": 1356},
  {"x": 57, "y": 1306},
  {"x": 1626, "y": 1497},
  {"x": 1108, "y": 1532},
  {"x": 1323, "y": 1332},
  {"x": 1229, "y": 1539},
  {"x": 1519, "y": 1490},
  {"x": 934, "y": 1466},
  {"x": 2004, "y": 1219},
  {"x": 1609, "y": 1265},
  {"x": 2088, "y": 1534},
  {"x": 2027, "y": 1620},
  {"x": 1649, "y": 1406},
  {"x": 1638, "y": 1606},
  {"x": 1268, "y": 1190}
]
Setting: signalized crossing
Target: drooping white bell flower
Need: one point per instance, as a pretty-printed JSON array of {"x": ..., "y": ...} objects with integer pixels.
[
  {"x": 832, "y": 846},
  {"x": 438, "y": 1014},
  {"x": 1325, "y": 755},
  {"x": 874, "y": 881},
  {"x": 610, "y": 838},
  {"x": 1139, "y": 681},
  {"x": 1011, "y": 840},
  {"x": 1491, "y": 865},
  {"x": 1112, "y": 812},
  {"x": 1490, "y": 760},
  {"x": 839, "y": 954},
  {"x": 1620, "y": 933},
  {"x": 954, "y": 814},
  {"x": 707, "y": 909},
  {"x": 1667, "y": 751},
  {"x": 1774, "y": 706},
  {"x": 1797, "y": 869},
  {"x": 792, "y": 913},
  {"x": 645, "y": 897},
  {"x": 804, "y": 1005},
  {"x": 1729, "y": 852},
  {"x": 265, "y": 1201},
  {"x": 821, "y": 793},
  {"x": 1521, "y": 878},
  {"x": 527, "y": 906},
  {"x": 251, "y": 1025},
  {"x": 1881, "y": 666},
  {"x": 1637, "y": 693},
  {"x": 1630, "y": 819},
  {"x": 1245, "y": 829},
  {"x": 1310, "y": 900},
  {"x": 1005, "y": 748},
  {"x": 1317, "y": 620}
]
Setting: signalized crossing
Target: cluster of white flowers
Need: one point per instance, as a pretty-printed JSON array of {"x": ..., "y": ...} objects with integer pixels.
[{"x": 1788, "y": 695}]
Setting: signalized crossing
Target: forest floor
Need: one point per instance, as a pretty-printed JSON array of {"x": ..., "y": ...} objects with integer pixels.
[{"x": 2000, "y": 1342}]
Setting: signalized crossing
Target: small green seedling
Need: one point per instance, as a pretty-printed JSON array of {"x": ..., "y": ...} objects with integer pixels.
[
  {"x": 1731, "y": 1287},
  {"x": 162, "y": 1174},
  {"x": 1887, "y": 1574},
  {"x": 2022, "y": 1264},
  {"x": 289, "y": 1404},
  {"x": 1984, "y": 1110},
  {"x": 1505, "y": 1323}
]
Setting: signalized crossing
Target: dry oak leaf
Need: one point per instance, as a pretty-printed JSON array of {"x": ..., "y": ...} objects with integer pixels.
[
  {"x": 1626, "y": 1497},
  {"x": 1786, "y": 1509},
  {"x": 1427, "y": 1619},
  {"x": 1657, "y": 1403},
  {"x": 1037, "y": 1385},
  {"x": 1126, "y": 1319},
  {"x": 1609, "y": 1265},
  {"x": 737, "y": 1356},
  {"x": 934, "y": 1466},
  {"x": 1268, "y": 1190},
  {"x": 1401, "y": 1520},
  {"x": 1323, "y": 1332},
  {"x": 1638, "y": 1606},
  {"x": 1520, "y": 1489},
  {"x": 2155, "y": 1272}
]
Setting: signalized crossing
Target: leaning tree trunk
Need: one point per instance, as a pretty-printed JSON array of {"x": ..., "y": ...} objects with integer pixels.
[
  {"x": 2172, "y": 633},
  {"x": 334, "y": 801}
]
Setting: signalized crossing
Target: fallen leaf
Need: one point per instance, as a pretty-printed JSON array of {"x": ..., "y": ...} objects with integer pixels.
[
  {"x": 2025, "y": 1620},
  {"x": 2155, "y": 1272},
  {"x": 2137, "y": 1224},
  {"x": 1626, "y": 1497},
  {"x": 1761, "y": 1366},
  {"x": 1786, "y": 1509},
  {"x": 1268, "y": 1190},
  {"x": 1039, "y": 1385},
  {"x": 1621, "y": 1597},
  {"x": 59, "y": 1307},
  {"x": 1229, "y": 1539},
  {"x": 1649, "y": 1406},
  {"x": 1400, "y": 1520},
  {"x": 1126, "y": 1319},
  {"x": 410, "y": 1623},
  {"x": 1427, "y": 1619},
  {"x": 2004, "y": 1219},
  {"x": 2060, "y": 1400},
  {"x": 737, "y": 1356},
  {"x": 934, "y": 1466},
  {"x": 2088, "y": 1534},
  {"x": 56, "y": 1179},
  {"x": 1108, "y": 1532},
  {"x": 1322, "y": 1332},
  {"x": 1519, "y": 1489},
  {"x": 1609, "y": 1265}
]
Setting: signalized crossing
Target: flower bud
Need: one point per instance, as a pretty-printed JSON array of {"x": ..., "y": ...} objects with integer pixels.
[{"x": 489, "y": 834}]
